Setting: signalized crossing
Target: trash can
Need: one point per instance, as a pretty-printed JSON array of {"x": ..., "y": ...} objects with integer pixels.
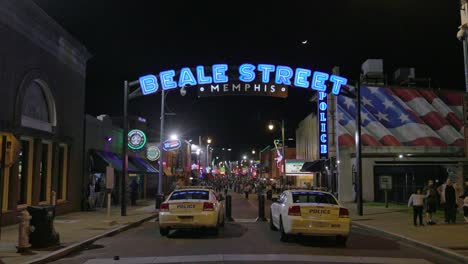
[
  {"x": 42, "y": 220},
  {"x": 159, "y": 200}
]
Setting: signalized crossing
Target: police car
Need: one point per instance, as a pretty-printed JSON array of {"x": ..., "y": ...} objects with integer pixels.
[
  {"x": 191, "y": 208},
  {"x": 309, "y": 213}
]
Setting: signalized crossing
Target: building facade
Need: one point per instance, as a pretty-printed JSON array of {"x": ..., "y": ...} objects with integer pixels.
[
  {"x": 42, "y": 76},
  {"x": 408, "y": 135}
]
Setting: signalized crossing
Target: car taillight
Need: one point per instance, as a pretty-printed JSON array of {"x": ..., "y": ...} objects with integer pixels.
[
  {"x": 208, "y": 206},
  {"x": 294, "y": 210},
  {"x": 344, "y": 212},
  {"x": 164, "y": 207}
]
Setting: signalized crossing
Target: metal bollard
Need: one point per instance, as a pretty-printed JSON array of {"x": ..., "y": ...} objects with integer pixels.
[
  {"x": 229, "y": 208},
  {"x": 261, "y": 208}
]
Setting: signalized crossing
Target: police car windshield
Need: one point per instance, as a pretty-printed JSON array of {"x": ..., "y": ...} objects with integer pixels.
[
  {"x": 313, "y": 197},
  {"x": 190, "y": 195}
]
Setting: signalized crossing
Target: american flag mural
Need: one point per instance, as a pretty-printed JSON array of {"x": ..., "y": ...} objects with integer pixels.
[{"x": 402, "y": 117}]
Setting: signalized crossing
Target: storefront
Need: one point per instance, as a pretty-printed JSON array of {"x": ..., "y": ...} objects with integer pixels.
[{"x": 104, "y": 148}]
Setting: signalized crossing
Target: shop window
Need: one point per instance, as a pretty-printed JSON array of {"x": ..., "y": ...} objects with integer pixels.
[
  {"x": 63, "y": 171},
  {"x": 44, "y": 172},
  {"x": 23, "y": 167}
]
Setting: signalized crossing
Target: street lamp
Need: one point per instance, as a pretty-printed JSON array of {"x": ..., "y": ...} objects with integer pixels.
[
  {"x": 357, "y": 137},
  {"x": 244, "y": 157},
  {"x": 174, "y": 137},
  {"x": 271, "y": 127},
  {"x": 253, "y": 151},
  {"x": 207, "y": 151}
]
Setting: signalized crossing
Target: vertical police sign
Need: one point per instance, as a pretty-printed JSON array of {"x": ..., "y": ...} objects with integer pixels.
[{"x": 322, "y": 125}]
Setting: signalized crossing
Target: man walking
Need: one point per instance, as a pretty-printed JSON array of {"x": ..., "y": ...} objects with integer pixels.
[
  {"x": 247, "y": 191},
  {"x": 431, "y": 201},
  {"x": 133, "y": 191},
  {"x": 449, "y": 200}
]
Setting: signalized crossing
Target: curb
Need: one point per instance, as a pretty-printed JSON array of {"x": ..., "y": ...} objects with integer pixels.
[
  {"x": 81, "y": 244},
  {"x": 439, "y": 250}
]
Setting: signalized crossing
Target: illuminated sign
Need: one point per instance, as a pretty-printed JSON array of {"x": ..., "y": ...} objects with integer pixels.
[
  {"x": 172, "y": 144},
  {"x": 153, "y": 153},
  {"x": 249, "y": 89},
  {"x": 247, "y": 73},
  {"x": 136, "y": 139},
  {"x": 322, "y": 125}
]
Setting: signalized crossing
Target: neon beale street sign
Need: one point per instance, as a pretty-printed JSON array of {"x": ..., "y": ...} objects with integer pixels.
[{"x": 246, "y": 73}]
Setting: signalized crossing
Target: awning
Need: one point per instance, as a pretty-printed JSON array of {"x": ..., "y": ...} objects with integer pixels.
[
  {"x": 101, "y": 159},
  {"x": 313, "y": 166},
  {"x": 143, "y": 165}
]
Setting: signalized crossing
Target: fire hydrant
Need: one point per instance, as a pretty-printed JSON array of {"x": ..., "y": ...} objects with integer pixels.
[{"x": 24, "y": 230}]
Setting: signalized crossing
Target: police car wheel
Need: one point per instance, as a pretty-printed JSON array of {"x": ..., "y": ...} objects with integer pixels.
[
  {"x": 164, "y": 231},
  {"x": 215, "y": 231},
  {"x": 341, "y": 241},
  {"x": 272, "y": 226}
]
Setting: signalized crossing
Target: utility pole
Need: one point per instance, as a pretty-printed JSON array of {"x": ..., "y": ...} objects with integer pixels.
[
  {"x": 283, "y": 170},
  {"x": 463, "y": 36},
  {"x": 123, "y": 182},
  {"x": 358, "y": 150},
  {"x": 161, "y": 140}
]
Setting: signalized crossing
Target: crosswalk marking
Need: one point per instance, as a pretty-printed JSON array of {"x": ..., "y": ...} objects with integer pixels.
[{"x": 258, "y": 257}]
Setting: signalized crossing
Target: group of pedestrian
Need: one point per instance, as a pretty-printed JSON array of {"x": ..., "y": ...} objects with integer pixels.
[{"x": 447, "y": 196}]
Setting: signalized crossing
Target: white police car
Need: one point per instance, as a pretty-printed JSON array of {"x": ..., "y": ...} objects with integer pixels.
[
  {"x": 191, "y": 208},
  {"x": 309, "y": 213}
]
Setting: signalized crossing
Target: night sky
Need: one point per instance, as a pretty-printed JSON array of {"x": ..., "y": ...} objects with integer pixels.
[{"x": 131, "y": 38}]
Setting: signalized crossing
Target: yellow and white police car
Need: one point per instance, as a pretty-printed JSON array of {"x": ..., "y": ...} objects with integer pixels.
[
  {"x": 309, "y": 213},
  {"x": 191, "y": 208}
]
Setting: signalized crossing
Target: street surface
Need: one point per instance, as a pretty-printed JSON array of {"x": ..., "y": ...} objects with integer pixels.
[{"x": 244, "y": 241}]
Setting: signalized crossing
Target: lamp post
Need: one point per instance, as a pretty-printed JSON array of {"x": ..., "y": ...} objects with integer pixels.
[
  {"x": 123, "y": 182},
  {"x": 207, "y": 151},
  {"x": 357, "y": 137},
  {"x": 283, "y": 161},
  {"x": 161, "y": 138},
  {"x": 358, "y": 149}
]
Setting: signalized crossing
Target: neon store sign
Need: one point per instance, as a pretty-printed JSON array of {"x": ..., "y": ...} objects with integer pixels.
[
  {"x": 246, "y": 73},
  {"x": 322, "y": 125}
]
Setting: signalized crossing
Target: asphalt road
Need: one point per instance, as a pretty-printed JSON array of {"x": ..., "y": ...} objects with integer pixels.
[{"x": 244, "y": 241}]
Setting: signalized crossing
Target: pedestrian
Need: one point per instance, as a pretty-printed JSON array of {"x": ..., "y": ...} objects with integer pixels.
[
  {"x": 430, "y": 201},
  {"x": 133, "y": 191},
  {"x": 449, "y": 201},
  {"x": 247, "y": 191},
  {"x": 417, "y": 200},
  {"x": 465, "y": 201},
  {"x": 91, "y": 195}
]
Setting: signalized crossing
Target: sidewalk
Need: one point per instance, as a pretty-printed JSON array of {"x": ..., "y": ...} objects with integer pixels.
[
  {"x": 75, "y": 229},
  {"x": 398, "y": 220}
]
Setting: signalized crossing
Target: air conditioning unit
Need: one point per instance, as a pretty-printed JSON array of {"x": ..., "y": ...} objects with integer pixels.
[
  {"x": 404, "y": 74},
  {"x": 372, "y": 67}
]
